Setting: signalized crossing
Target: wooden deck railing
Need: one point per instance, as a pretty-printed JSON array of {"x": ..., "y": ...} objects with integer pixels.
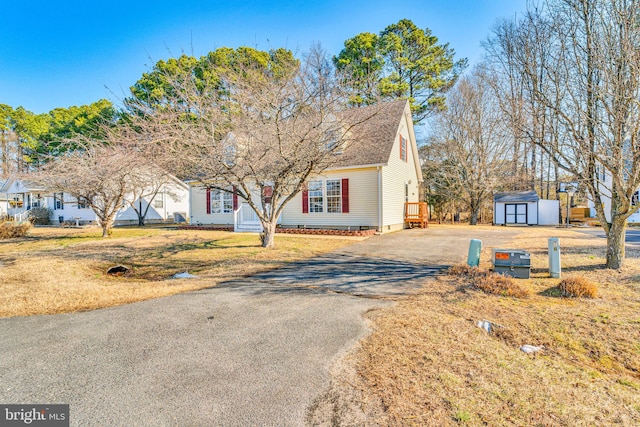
[{"x": 416, "y": 214}]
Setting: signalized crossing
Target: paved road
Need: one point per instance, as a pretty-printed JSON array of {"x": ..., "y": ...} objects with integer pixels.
[
  {"x": 248, "y": 353},
  {"x": 632, "y": 237}
]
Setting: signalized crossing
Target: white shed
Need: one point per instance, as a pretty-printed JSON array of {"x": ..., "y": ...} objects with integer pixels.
[{"x": 524, "y": 207}]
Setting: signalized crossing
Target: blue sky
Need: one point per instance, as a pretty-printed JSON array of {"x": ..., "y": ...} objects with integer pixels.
[{"x": 63, "y": 53}]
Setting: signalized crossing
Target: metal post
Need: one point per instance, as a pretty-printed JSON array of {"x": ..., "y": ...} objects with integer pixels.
[
  {"x": 473, "y": 259},
  {"x": 555, "y": 268}
]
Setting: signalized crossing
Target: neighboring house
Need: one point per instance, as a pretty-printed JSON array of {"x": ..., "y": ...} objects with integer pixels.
[
  {"x": 4, "y": 203},
  {"x": 605, "y": 196},
  {"x": 23, "y": 195},
  {"x": 20, "y": 196},
  {"x": 524, "y": 208},
  {"x": 377, "y": 172}
]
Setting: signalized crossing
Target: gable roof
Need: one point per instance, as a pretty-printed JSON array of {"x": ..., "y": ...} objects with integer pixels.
[
  {"x": 15, "y": 185},
  {"x": 516, "y": 196},
  {"x": 373, "y": 134}
]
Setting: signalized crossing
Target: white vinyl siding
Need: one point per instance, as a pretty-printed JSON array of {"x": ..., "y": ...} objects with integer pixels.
[
  {"x": 363, "y": 202},
  {"x": 400, "y": 182},
  {"x": 199, "y": 210}
]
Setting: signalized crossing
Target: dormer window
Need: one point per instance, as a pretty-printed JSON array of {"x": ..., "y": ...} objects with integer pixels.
[{"x": 333, "y": 141}]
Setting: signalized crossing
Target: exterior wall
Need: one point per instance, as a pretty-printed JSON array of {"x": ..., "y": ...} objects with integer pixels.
[
  {"x": 499, "y": 212},
  {"x": 175, "y": 198},
  {"x": 70, "y": 210},
  {"x": 363, "y": 203},
  {"x": 199, "y": 215},
  {"x": 548, "y": 212},
  {"x": 532, "y": 213},
  {"x": 178, "y": 202},
  {"x": 395, "y": 175},
  {"x": 634, "y": 219}
]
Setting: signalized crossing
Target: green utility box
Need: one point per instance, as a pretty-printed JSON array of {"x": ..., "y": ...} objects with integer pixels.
[{"x": 512, "y": 262}]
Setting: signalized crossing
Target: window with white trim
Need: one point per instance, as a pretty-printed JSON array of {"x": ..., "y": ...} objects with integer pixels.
[
  {"x": 221, "y": 202},
  {"x": 58, "y": 199},
  {"x": 82, "y": 203},
  {"x": 334, "y": 196},
  {"x": 158, "y": 202},
  {"x": 316, "y": 199}
]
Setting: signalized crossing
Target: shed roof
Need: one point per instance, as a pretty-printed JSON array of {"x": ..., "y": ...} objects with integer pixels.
[{"x": 516, "y": 196}]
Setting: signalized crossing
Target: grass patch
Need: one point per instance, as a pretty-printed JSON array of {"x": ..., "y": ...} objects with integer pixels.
[
  {"x": 54, "y": 270},
  {"x": 427, "y": 363}
]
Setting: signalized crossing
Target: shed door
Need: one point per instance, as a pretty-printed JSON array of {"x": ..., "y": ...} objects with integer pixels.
[{"x": 515, "y": 213}]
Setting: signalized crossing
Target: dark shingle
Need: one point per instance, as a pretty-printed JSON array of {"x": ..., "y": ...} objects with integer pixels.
[
  {"x": 372, "y": 134},
  {"x": 516, "y": 197}
]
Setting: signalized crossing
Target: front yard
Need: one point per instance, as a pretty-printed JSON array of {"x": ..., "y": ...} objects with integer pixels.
[
  {"x": 55, "y": 270},
  {"x": 427, "y": 362}
]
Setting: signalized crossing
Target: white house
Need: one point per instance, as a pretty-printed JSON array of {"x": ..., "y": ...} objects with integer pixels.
[
  {"x": 524, "y": 208},
  {"x": 605, "y": 184},
  {"x": 20, "y": 196},
  {"x": 376, "y": 174}
]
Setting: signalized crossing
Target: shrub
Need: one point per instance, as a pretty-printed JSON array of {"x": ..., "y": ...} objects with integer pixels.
[
  {"x": 489, "y": 282},
  {"x": 40, "y": 216},
  {"x": 9, "y": 229},
  {"x": 578, "y": 287}
]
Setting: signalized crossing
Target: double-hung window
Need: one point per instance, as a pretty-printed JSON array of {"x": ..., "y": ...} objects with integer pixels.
[
  {"x": 330, "y": 196},
  {"x": 221, "y": 202},
  {"x": 316, "y": 199},
  {"x": 334, "y": 196}
]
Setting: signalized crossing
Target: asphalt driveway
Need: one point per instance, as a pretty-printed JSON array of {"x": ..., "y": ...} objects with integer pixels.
[{"x": 254, "y": 352}]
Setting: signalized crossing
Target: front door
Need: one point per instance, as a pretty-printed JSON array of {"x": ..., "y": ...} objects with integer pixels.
[
  {"x": 515, "y": 213},
  {"x": 247, "y": 219}
]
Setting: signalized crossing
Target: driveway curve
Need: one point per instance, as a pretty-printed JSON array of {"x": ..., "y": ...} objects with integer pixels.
[{"x": 251, "y": 352}]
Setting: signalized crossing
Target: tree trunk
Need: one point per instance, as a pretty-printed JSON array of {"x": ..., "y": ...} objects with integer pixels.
[
  {"x": 106, "y": 227},
  {"x": 474, "y": 218},
  {"x": 616, "y": 243},
  {"x": 475, "y": 209},
  {"x": 140, "y": 215},
  {"x": 268, "y": 234}
]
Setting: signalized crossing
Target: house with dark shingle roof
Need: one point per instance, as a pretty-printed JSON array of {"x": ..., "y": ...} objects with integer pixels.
[{"x": 377, "y": 172}]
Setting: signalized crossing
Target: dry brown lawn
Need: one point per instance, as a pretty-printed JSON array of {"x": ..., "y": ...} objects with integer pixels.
[
  {"x": 54, "y": 270},
  {"x": 428, "y": 364}
]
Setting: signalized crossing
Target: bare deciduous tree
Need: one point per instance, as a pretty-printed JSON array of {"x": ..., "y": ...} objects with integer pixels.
[
  {"x": 591, "y": 87},
  {"x": 470, "y": 139},
  {"x": 147, "y": 181},
  {"x": 261, "y": 137},
  {"x": 97, "y": 175}
]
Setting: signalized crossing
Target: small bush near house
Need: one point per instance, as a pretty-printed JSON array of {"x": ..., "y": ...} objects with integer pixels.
[
  {"x": 489, "y": 282},
  {"x": 578, "y": 287},
  {"x": 9, "y": 229},
  {"x": 40, "y": 216}
]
